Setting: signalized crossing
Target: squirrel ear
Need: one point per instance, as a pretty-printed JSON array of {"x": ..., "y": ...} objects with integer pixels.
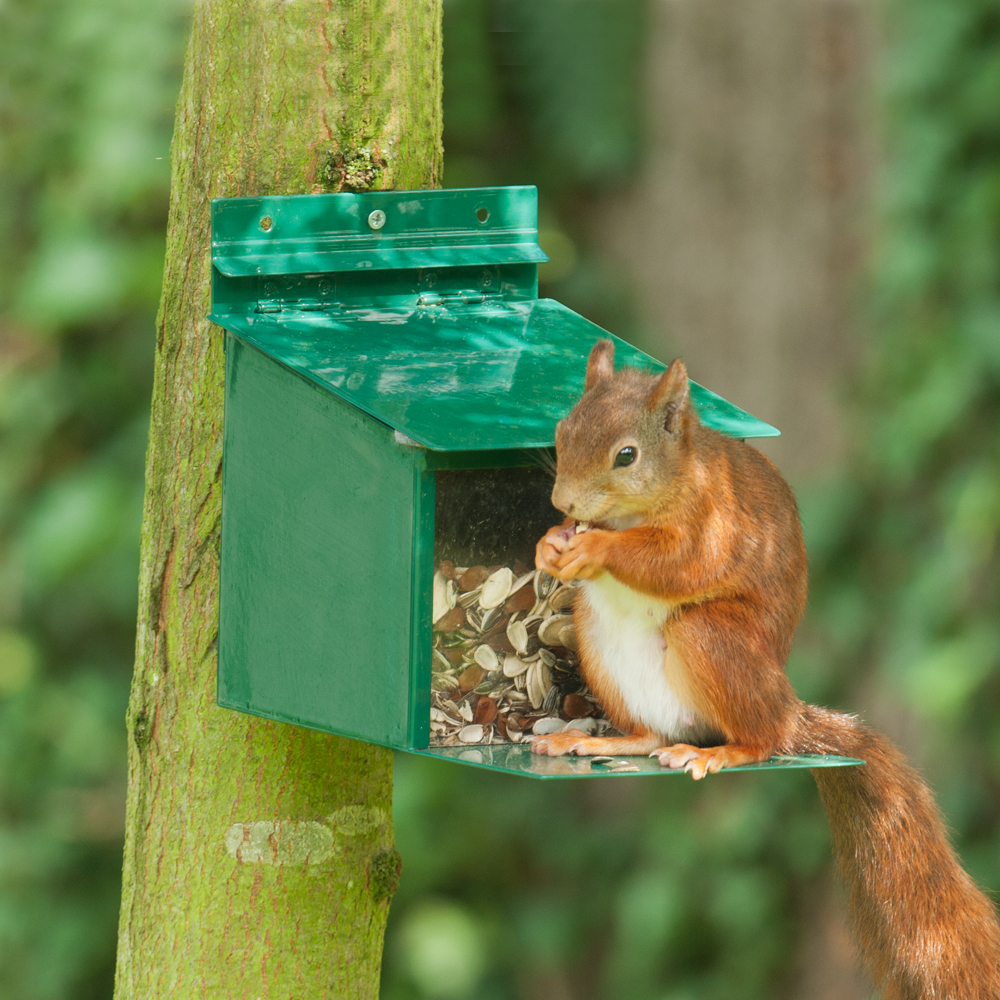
[
  {"x": 600, "y": 364},
  {"x": 670, "y": 396}
]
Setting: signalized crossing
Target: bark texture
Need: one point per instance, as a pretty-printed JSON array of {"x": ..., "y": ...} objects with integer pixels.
[{"x": 259, "y": 857}]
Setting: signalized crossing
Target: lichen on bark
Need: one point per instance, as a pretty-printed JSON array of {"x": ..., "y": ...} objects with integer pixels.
[{"x": 259, "y": 857}]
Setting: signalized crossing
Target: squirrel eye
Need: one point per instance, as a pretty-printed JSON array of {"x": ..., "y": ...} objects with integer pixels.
[{"x": 625, "y": 457}]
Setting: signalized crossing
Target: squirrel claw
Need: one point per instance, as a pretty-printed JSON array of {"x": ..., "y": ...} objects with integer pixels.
[{"x": 693, "y": 760}]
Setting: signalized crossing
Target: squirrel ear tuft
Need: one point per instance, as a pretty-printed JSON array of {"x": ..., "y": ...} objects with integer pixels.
[
  {"x": 669, "y": 397},
  {"x": 600, "y": 364}
]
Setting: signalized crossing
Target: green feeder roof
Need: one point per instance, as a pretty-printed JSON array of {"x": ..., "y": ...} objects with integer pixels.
[{"x": 429, "y": 322}]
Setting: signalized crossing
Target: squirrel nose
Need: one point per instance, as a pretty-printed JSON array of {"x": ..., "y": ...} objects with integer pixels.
[{"x": 561, "y": 500}]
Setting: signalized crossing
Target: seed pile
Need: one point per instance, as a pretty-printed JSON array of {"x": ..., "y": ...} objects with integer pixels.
[{"x": 504, "y": 659}]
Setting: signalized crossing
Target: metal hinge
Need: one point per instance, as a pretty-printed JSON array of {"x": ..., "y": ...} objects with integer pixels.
[
  {"x": 457, "y": 298},
  {"x": 296, "y": 305}
]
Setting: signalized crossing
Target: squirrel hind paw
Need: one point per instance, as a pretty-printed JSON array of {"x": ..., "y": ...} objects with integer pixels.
[
  {"x": 681, "y": 757},
  {"x": 699, "y": 761}
]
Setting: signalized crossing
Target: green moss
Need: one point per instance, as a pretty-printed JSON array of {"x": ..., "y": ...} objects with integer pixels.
[
  {"x": 140, "y": 731},
  {"x": 384, "y": 873},
  {"x": 355, "y": 171}
]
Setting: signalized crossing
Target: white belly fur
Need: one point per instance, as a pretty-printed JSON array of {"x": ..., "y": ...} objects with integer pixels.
[{"x": 626, "y": 629}]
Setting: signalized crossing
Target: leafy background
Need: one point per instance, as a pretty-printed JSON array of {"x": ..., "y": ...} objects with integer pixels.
[{"x": 619, "y": 889}]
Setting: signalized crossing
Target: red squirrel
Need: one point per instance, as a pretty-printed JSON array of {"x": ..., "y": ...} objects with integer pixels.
[{"x": 692, "y": 578}]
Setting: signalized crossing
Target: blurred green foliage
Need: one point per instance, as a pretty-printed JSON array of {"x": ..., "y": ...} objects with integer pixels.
[
  {"x": 653, "y": 889},
  {"x": 906, "y": 541},
  {"x": 550, "y": 94},
  {"x": 86, "y": 108}
]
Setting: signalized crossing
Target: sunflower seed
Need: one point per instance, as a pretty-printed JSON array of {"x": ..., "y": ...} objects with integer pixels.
[
  {"x": 622, "y": 765},
  {"x": 495, "y": 661},
  {"x": 543, "y": 727},
  {"x": 518, "y": 635},
  {"x": 550, "y": 629},
  {"x": 567, "y": 636},
  {"x": 562, "y": 599},
  {"x": 538, "y": 684},
  {"x": 552, "y": 699},
  {"x": 496, "y": 589},
  {"x": 444, "y": 596},
  {"x": 513, "y": 667},
  {"x": 487, "y": 658},
  {"x": 467, "y": 600}
]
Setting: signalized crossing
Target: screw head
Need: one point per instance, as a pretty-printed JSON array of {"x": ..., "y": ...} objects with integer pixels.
[{"x": 376, "y": 220}]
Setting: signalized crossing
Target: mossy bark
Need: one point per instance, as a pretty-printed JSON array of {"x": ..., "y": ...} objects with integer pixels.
[{"x": 259, "y": 857}]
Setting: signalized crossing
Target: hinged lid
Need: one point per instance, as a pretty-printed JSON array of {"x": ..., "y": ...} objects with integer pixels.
[{"x": 429, "y": 322}]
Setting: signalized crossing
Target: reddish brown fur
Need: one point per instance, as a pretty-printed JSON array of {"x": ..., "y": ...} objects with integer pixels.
[{"x": 708, "y": 523}]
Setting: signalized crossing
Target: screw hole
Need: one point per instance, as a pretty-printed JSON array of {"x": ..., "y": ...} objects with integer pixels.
[
  {"x": 266, "y": 223},
  {"x": 482, "y": 214}
]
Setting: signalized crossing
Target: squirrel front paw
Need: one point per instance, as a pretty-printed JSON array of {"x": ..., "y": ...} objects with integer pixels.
[
  {"x": 583, "y": 555},
  {"x": 550, "y": 546}
]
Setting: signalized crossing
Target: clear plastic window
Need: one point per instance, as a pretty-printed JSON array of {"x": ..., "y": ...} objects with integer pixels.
[{"x": 504, "y": 662}]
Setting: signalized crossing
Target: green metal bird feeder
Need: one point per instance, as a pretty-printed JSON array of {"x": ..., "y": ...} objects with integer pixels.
[{"x": 393, "y": 383}]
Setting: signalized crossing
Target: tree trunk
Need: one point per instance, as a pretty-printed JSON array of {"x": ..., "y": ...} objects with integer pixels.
[
  {"x": 259, "y": 857},
  {"x": 745, "y": 233}
]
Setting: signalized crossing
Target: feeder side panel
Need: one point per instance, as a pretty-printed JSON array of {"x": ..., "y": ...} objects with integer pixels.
[
  {"x": 424, "y": 490},
  {"x": 317, "y": 557}
]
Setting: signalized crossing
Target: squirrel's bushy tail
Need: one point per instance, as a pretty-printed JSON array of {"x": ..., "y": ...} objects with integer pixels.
[{"x": 923, "y": 928}]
